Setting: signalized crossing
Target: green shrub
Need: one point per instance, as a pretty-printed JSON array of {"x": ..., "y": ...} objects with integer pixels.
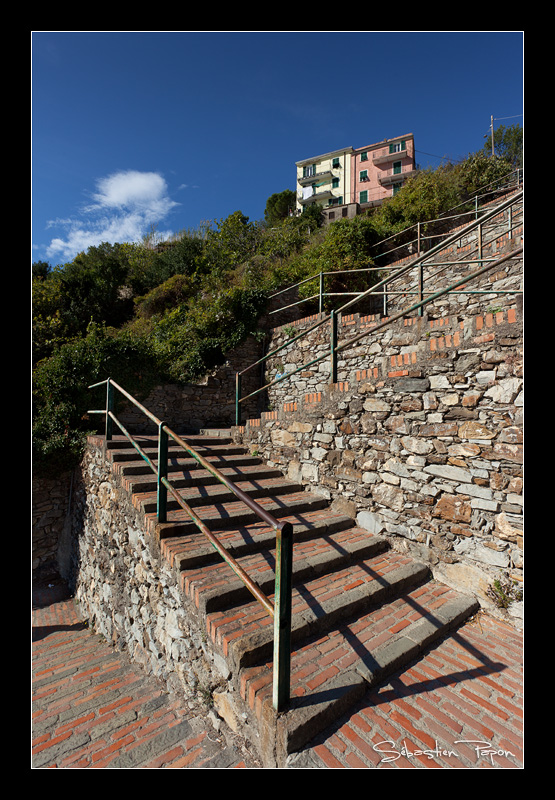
[{"x": 61, "y": 397}]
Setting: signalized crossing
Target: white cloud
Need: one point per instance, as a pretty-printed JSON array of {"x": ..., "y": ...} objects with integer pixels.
[{"x": 124, "y": 208}]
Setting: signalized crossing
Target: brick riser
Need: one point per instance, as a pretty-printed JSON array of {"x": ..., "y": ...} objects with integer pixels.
[{"x": 360, "y": 610}]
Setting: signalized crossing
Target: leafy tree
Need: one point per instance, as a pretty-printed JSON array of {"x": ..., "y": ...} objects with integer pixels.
[
  {"x": 195, "y": 336},
  {"x": 508, "y": 144},
  {"x": 231, "y": 242},
  {"x": 312, "y": 216},
  {"x": 181, "y": 256},
  {"x": 41, "y": 269},
  {"x": 49, "y": 330},
  {"x": 61, "y": 396},
  {"x": 423, "y": 197},
  {"x": 279, "y": 206},
  {"x": 92, "y": 286},
  {"x": 344, "y": 245},
  {"x": 479, "y": 172}
]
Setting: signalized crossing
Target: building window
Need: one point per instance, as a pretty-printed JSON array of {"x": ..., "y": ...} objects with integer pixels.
[
  {"x": 335, "y": 183},
  {"x": 309, "y": 171},
  {"x": 364, "y": 156},
  {"x": 396, "y": 167},
  {"x": 397, "y": 147},
  {"x": 397, "y": 187},
  {"x": 363, "y": 176},
  {"x": 364, "y": 196},
  {"x": 335, "y": 162}
]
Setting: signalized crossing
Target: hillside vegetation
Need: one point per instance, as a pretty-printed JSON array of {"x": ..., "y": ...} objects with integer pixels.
[{"x": 150, "y": 313}]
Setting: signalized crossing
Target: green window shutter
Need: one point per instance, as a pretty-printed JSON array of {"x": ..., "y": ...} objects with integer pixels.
[
  {"x": 396, "y": 167},
  {"x": 364, "y": 196},
  {"x": 364, "y": 156}
]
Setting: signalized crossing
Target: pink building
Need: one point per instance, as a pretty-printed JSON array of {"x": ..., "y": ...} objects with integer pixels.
[{"x": 379, "y": 170}]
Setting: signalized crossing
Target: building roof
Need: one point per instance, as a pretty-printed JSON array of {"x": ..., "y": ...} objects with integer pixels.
[{"x": 323, "y": 156}]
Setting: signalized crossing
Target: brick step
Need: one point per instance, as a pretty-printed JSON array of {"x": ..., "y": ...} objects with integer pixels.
[
  {"x": 209, "y": 494},
  {"x": 122, "y": 450},
  {"x": 145, "y": 480},
  {"x": 331, "y": 671},
  {"x": 360, "y": 610},
  {"x": 138, "y": 466},
  {"x": 225, "y": 515},
  {"x": 213, "y": 586},
  {"x": 120, "y": 442},
  {"x": 189, "y": 550},
  {"x": 244, "y": 633}
]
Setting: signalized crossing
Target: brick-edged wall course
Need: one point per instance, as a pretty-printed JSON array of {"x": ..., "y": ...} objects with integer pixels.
[{"x": 420, "y": 439}]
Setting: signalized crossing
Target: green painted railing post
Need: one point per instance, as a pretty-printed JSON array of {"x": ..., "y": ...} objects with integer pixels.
[
  {"x": 333, "y": 345},
  {"x": 420, "y": 277},
  {"x": 162, "y": 492},
  {"x": 109, "y": 409},
  {"x": 237, "y": 398},
  {"x": 282, "y": 617},
  {"x": 321, "y": 294}
]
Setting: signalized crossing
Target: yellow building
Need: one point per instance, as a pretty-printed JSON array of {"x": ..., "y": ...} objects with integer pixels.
[
  {"x": 325, "y": 179},
  {"x": 346, "y": 182}
]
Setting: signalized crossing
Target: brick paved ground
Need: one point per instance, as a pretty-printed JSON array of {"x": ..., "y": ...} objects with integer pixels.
[
  {"x": 459, "y": 707},
  {"x": 93, "y": 709}
]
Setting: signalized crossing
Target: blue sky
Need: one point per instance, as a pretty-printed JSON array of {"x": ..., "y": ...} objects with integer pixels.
[{"x": 141, "y": 131}]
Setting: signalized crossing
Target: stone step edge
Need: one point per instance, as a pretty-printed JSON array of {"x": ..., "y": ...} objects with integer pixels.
[
  {"x": 252, "y": 648},
  {"x": 140, "y": 467},
  {"x": 139, "y": 483},
  {"x": 301, "y": 723},
  {"x": 218, "y": 493},
  {"x": 191, "y": 557},
  {"x": 305, "y": 501},
  {"x": 223, "y": 451},
  {"x": 208, "y": 600}
]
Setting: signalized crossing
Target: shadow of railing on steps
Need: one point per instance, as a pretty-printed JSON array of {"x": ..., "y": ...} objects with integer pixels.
[{"x": 280, "y": 608}]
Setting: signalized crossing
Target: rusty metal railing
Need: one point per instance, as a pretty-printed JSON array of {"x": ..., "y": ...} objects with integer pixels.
[
  {"x": 280, "y": 608},
  {"x": 417, "y": 244},
  {"x": 383, "y": 288}
]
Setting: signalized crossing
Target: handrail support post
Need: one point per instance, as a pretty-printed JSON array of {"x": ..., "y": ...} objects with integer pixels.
[
  {"x": 109, "y": 410},
  {"x": 161, "y": 490},
  {"x": 237, "y": 398},
  {"x": 282, "y": 617},
  {"x": 333, "y": 345}
]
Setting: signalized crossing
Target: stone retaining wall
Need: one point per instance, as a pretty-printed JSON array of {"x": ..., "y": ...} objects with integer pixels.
[
  {"x": 208, "y": 403},
  {"x": 420, "y": 439},
  {"x": 51, "y": 503},
  {"x": 127, "y": 592}
]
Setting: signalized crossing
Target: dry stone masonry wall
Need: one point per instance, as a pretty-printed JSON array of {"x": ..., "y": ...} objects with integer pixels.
[
  {"x": 420, "y": 439},
  {"x": 127, "y": 592}
]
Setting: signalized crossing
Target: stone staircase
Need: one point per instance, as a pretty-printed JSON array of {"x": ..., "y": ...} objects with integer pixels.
[{"x": 360, "y": 609}]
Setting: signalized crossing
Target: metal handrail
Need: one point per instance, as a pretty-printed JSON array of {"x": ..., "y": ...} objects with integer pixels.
[
  {"x": 280, "y": 608},
  {"x": 418, "y": 262},
  {"x": 446, "y": 216}
]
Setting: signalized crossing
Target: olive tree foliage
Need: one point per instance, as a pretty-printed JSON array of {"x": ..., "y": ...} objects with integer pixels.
[{"x": 508, "y": 144}]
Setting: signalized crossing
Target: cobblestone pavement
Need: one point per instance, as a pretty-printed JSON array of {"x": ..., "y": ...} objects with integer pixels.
[{"x": 460, "y": 707}]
